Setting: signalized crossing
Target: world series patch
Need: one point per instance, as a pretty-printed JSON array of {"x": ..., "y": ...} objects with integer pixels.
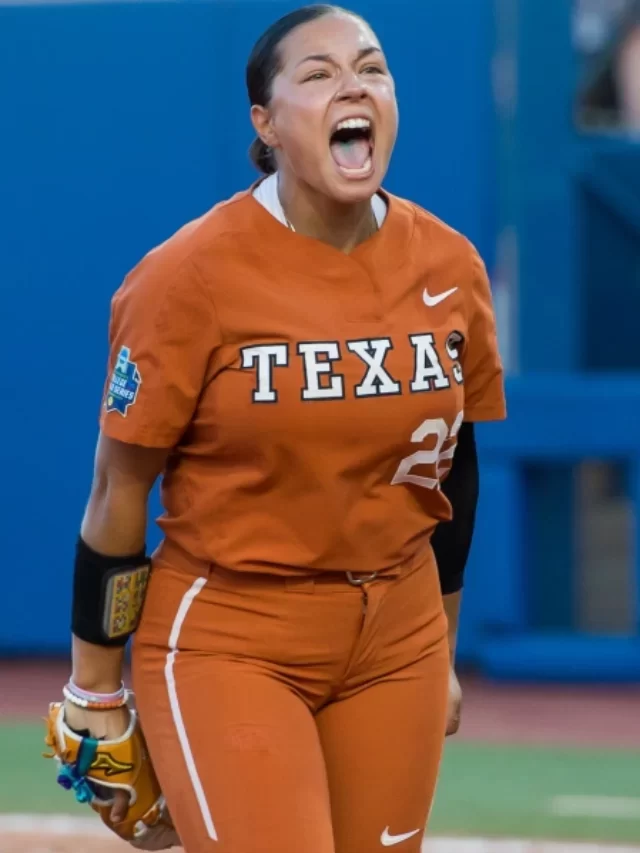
[{"x": 124, "y": 384}]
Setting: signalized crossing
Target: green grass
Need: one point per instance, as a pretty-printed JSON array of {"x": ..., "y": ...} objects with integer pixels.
[
  {"x": 27, "y": 780},
  {"x": 493, "y": 790},
  {"x": 484, "y": 790}
]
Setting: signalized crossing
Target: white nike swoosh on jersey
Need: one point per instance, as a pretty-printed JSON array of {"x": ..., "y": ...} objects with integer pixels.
[
  {"x": 388, "y": 840},
  {"x": 430, "y": 301}
]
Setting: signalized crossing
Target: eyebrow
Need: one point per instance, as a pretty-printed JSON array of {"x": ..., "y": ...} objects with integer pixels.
[{"x": 327, "y": 57}]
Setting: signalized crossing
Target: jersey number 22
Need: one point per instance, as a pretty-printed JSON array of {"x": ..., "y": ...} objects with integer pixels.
[{"x": 431, "y": 427}]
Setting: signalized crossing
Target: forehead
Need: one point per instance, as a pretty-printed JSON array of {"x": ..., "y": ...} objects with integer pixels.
[{"x": 336, "y": 34}]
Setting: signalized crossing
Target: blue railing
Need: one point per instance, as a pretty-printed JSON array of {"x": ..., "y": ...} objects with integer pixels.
[{"x": 556, "y": 420}]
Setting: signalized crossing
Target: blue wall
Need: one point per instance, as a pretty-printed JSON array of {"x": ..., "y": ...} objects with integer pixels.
[{"x": 120, "y": 123}]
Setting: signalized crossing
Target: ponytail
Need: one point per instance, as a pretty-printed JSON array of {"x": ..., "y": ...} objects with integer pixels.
[{"x": 262, "y": 157}]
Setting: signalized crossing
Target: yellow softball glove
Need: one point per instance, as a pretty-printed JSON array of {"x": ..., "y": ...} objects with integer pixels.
[{"x": 94, "y": 769}]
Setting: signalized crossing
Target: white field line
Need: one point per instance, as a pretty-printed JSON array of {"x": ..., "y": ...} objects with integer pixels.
[
  {"x": 614, "y": 808},
  {"x": 54, "y": 825},
  {"x": 89, "y": 827},
  {"x": 514, "y": 845}
]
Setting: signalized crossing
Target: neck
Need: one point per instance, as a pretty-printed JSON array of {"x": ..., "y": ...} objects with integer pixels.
[{"x": 343, "y": 226}]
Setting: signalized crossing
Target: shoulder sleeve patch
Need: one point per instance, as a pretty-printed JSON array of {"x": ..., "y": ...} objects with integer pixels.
[{"x": 124, "y": 384}]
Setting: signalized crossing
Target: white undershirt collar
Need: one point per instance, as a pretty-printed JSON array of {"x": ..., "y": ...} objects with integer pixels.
[{"x": 267, "y": 194}]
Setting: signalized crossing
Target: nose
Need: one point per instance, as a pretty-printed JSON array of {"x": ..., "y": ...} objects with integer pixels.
[{"x": 353, "y": 88}]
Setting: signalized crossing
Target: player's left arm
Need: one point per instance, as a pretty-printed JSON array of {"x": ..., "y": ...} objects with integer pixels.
[
  {"x": 484, "y": 401},
  {"x": 451, "y": 541}
]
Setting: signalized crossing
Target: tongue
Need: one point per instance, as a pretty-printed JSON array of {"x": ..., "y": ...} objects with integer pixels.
[{"x": 351, "y": 155}]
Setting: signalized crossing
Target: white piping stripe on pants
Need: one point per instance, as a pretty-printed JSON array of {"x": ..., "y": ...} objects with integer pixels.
[{"x": 185, "y": 604}]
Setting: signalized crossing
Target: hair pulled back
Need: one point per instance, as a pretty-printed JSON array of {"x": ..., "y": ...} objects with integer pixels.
[{"x": 263, "y": 65}]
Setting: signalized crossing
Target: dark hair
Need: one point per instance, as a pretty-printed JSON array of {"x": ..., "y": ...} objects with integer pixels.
[{"x": 264, "y": 64}]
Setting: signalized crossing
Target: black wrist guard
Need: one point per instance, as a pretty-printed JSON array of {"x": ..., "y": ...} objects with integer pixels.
[{"x": 108, "y": 594}]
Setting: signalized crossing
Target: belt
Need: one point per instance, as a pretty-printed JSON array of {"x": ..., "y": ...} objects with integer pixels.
[{"x": 172, "y": 554}]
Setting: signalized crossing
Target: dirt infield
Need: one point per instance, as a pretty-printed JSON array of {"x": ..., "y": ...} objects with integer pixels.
[
  {"x": 76, "y": 838},
  {"x": 56, "y": 834},
  {"x": 43, "y": 843}
]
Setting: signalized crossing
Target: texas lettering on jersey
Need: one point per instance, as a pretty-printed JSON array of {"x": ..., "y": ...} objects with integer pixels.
[{"x": 323, "y": 381}]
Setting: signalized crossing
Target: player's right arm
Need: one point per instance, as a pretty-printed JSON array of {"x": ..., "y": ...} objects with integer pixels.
[
  {"x": 114, "y": 524},
  {"x": 162, "y": 334},
  {"x": 162, "y": 337}
]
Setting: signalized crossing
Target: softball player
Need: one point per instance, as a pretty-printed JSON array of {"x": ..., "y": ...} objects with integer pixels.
[{"x": 299, "y": 365}]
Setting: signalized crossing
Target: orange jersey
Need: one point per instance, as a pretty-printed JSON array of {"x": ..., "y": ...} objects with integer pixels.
[{"x": 311, "y": 398}]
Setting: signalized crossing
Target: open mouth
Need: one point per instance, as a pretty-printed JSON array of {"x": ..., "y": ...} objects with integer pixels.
[{"x": 351, "y": 144}]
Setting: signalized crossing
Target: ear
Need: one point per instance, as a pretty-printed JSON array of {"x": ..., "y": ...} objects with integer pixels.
[{"x": 261, "y": 121}]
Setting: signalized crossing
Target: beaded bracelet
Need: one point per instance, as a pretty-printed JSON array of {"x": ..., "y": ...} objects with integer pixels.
[{"x": 95, "y": 701}]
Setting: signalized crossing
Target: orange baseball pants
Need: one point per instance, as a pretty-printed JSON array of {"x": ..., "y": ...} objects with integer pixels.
[{"x": 294, "y": 715}]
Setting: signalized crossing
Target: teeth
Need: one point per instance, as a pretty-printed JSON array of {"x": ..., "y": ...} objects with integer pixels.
[{"x": 354, "y": 124}]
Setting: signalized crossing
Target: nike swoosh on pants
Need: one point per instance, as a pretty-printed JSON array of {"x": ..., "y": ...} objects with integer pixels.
[{"x": 388, "y": 840}]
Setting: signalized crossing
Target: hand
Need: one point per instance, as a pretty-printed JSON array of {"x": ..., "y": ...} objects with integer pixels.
[
  {"x": 454, "y": 704},
  {"x": 159, "y": 837},
  {"x": 102, "y": 724},
  {"x": 111, "y": 725}
]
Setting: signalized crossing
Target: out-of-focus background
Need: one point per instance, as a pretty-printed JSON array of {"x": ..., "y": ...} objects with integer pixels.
[{"x": 520, "y": 126}]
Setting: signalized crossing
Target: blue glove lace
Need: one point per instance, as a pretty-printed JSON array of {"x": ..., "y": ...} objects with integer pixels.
[{"x": 72, "y": 777}]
